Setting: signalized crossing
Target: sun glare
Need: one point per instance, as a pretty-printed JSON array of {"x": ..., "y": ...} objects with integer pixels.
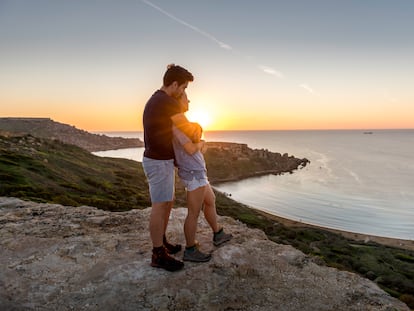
[{"x": 202, "y": 117}]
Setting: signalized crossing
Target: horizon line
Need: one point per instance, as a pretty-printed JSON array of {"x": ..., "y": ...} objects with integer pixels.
[{"x": 271, "y": 130}]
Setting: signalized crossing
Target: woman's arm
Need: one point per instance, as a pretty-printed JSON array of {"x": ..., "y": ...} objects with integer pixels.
[
  {"x": 188, "y": 145},
  {"x": 192, "y": 148}
]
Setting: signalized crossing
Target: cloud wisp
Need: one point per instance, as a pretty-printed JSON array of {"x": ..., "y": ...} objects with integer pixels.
[
  {"x": 271, "y": 71},
  {"x": 307, "y": 88}
]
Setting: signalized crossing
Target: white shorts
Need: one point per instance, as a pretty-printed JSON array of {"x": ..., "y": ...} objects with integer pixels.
[{"x": 195, "y": 183}]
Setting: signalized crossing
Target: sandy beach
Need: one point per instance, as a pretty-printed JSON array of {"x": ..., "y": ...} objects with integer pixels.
[{"x": 399, "y": 243}]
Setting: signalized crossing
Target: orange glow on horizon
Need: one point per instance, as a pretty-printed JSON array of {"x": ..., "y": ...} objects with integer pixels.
[{"x": 213, "y": 115}]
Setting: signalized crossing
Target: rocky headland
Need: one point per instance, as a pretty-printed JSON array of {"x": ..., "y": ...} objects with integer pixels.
[
  {"x": 233, "y": 161},
  {"x": 47, "y": 128},
  {"x": 56, "y": 257}
]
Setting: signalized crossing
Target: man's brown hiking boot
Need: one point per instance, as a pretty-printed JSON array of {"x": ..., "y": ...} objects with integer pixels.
[
  {"x": 171, "y": 248},
  {"x": 161, "y": 259}
]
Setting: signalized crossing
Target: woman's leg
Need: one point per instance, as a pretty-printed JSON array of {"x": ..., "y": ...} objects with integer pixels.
[
  {"x": 194, "y": 203},
  {"x": 210, "y": 212}
]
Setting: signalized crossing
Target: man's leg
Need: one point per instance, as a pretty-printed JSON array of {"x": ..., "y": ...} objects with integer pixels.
[
  {"x": 171, "y": 248},
  {"x": 160, "y": 257},
  {"x": 160, "y": 176},
  {"x": 159, "y": 213},
  {"x": 161, "y": 179},
  {"x": 167, "y": 215}
]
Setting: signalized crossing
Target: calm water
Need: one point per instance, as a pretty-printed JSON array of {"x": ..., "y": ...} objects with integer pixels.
[{"x": 356, "y": 182}]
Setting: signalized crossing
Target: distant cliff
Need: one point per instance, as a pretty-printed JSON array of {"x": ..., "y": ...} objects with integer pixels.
[{"x": 47, "y": 128}]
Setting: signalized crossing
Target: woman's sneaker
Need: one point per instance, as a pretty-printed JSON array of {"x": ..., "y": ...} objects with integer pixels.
[
  {"x": 193, "y": 254},
  {"x": 161, "y": 259},
  {"x": 220, "y": 237}
]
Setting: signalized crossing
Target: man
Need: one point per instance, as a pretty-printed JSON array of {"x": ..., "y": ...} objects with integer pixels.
[{"x": 161, "y": 112}]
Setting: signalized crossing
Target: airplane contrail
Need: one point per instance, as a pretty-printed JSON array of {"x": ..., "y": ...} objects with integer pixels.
[{"x": 198, "y": 30}]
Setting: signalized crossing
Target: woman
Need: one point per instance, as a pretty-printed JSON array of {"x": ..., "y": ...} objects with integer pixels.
[{"x": 193, "y": 173}]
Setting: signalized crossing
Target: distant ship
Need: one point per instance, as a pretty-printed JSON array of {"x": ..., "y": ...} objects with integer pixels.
[{"x": 367, "y": 132}]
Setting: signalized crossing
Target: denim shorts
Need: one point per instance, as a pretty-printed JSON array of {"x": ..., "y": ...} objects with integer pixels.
[
  {"x": 193, "y": 179},
  {"x": 161, "y": 178}
]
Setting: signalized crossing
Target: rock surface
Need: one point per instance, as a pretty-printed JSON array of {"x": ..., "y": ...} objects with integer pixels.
[{"x": 56, "y": 257}]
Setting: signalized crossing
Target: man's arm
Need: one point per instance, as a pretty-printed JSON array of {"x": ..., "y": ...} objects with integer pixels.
[{"x": 185, "y": 126}]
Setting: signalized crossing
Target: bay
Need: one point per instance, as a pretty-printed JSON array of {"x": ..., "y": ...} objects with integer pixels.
[{"x": 357, "y": 181}]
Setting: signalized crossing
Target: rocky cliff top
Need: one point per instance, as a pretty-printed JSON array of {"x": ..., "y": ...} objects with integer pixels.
[
  {"x": 47, "y": 128},
  {"x": 56, "y": 257}
]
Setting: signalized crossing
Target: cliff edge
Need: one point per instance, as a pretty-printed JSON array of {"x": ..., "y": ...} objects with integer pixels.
[{"x": 56, "y": 257}]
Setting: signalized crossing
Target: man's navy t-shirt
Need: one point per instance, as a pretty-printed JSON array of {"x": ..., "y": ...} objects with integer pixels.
[{"x": 158, "y": 126}]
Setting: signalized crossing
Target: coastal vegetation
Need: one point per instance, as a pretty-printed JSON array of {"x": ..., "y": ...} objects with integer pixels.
[{"x": 45, "y": 170}]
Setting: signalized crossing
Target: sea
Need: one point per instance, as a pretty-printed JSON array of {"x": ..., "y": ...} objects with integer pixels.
[{"x": 357, "y": 181}]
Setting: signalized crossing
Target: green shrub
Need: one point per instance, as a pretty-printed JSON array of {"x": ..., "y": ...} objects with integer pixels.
[{"x": 404, "y": 257}]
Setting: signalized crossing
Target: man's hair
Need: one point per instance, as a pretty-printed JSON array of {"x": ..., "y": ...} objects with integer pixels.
[{"x": 177, "y": 73}]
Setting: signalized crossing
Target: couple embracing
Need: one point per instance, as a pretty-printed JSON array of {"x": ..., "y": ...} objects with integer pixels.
[{"x": 170, "y": 139}]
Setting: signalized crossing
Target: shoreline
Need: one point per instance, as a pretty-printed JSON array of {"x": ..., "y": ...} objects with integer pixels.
[{"x": 393, "y": 242}]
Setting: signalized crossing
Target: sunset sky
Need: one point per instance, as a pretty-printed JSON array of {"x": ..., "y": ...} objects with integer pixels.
[{"x": 258, "y": 65}]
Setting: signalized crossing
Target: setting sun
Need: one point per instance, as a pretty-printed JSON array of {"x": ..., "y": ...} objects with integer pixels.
[{"x": 202, "y": 117}]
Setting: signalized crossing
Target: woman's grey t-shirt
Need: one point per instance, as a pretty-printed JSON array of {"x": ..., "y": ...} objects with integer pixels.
[{"x": 189, "y": 166}]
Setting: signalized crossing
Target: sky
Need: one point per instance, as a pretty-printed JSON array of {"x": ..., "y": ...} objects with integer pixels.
[{"x": 258, "y": 65}]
